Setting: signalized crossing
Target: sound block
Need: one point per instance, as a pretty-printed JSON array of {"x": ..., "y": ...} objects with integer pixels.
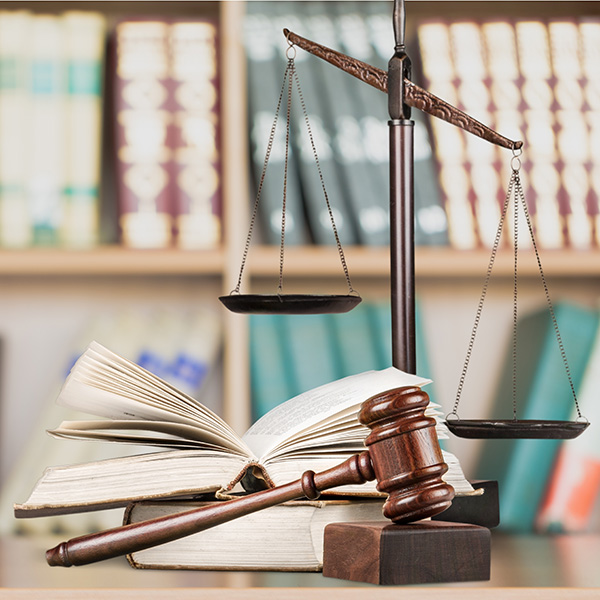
[
  {"x": 425, "y": 552},
  {"x": 482, "y": 508}
]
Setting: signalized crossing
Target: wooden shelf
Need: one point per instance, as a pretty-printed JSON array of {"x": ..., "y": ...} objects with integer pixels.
[
  {"x": 432, "y": 262},
  {"x": 305, "y": 261},
  {"x": 110, "y": 260}
]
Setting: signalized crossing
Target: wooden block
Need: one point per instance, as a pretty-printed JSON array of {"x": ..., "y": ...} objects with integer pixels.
[
  {"x": 481, "y": 510},
  {"x": 425, "y": 552}
]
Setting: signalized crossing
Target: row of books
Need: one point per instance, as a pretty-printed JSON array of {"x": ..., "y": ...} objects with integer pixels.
[
  {"x": 155, "y": 93},
  {"x": 50, "y": 127},
  {"x": 549, "y": 485},
  {"x": 531, "y": 80},
  {"x": 292, "y": 353},
  {"x": 348, "y": 120},
  {"x": 182, "y": 347}
]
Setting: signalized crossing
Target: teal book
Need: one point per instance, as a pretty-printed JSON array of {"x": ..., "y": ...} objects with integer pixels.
[
  {"x": 270, "y": 367},
  {"x": 356, "y": 340},
  {"x": 311, "y": 351},
  {"x": 522, "y": 467}
]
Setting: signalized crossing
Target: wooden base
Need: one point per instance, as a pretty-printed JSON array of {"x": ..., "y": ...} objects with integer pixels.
[
  {"x": 481, "y": 510},
  {"x": 425, "y": 552}
]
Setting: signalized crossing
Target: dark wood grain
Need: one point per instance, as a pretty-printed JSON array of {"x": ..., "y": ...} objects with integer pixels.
[
  {"x": 414, "y": 95},
  {"x": 426, "y": 552},
  {"x": 403, "y": 453}
]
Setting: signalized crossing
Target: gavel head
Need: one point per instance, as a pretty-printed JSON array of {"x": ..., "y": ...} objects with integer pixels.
[{"x": 406, "y": 455}]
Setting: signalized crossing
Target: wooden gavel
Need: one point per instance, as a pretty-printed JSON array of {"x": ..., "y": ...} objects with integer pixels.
[{"x": 403, "y": 454}]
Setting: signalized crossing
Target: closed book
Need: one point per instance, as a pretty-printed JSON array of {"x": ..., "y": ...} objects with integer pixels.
[
  {"x": 143, "y": 113},
  {"x": 196, "y": 154},
  {"x": 15, "y": 220},
  {"x": 84, "y": 55},
  {"x": 522, "y": 467},
  {"x": 46, "y": 129},
  {"x": 265, "y": 51},
  {"x": 288, "y": 537},
  {"x": 574, "y": 485}
]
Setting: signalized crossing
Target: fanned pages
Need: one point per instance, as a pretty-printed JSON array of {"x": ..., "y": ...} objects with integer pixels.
[{"x": 198, "y": 451}]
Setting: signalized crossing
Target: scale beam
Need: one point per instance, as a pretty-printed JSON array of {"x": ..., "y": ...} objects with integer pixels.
[{"x": 414, "y": 95}]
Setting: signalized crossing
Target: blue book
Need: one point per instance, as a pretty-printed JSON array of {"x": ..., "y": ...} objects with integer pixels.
[{"x": 522, "y": 467}]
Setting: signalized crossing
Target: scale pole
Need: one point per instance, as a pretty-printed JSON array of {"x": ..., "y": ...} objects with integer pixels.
[{"x": 402, "y": 238}]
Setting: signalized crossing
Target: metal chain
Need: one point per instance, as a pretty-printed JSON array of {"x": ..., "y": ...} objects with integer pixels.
[
  {"x": 563, "y": 354},
  {"x": 514, "y": 187},
  {"x": 333, "y": 226},
  {"x": 515, "y": 179},
  {"x": 261, "y": 182},
  {"x": 291, "y": 68},
  {"x": 486, "y": 283}
]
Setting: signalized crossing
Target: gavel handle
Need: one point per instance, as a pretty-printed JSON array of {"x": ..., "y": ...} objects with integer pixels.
[{"x": 138, "y": 536}]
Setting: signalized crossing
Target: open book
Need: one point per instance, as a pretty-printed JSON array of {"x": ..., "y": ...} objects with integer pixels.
[{"x": 200, "y": 452}]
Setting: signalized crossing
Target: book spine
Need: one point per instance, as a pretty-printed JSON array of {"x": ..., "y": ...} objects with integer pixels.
[
  {"x": 541, "y": 159},
  {"x": 144, "y": 133},
  {"x": 265, "y": 75},
  {"x": 85, "y": 45},
  {"x": 589, "y": 33},
  {"x": 450, "y": 147},
  {"x": 15, "y": 224},
  {"x": 572, "y": 135},
  {"x": 47, "y": 150},
  {"x": 194, "y": 62}
]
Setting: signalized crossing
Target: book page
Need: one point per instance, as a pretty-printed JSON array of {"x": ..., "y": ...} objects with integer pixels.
[{"x": 312, "y": 407}]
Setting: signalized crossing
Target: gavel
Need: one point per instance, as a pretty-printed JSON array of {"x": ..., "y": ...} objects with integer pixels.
[{"x": 403, "y": 454}]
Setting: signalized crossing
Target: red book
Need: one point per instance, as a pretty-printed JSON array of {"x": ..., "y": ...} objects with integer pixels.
[{"x": 143, "y": 114}]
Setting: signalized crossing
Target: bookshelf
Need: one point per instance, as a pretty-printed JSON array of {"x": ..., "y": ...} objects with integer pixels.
[{"x": 447, "y": 279}]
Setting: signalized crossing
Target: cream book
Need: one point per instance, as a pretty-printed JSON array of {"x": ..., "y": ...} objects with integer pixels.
[
  {"x": 198, "y": 452},
  {"x": 287, "y": 537}
]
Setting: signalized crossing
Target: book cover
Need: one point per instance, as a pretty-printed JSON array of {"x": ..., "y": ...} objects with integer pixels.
[
  {"x": 85, "y": 34},
  {"x": 522, "y": 467},
  {"x": 15, "y": 220},
  {"x": 196, "y": 154}
]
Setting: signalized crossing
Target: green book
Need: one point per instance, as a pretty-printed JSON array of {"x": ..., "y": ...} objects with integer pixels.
[{"x": 522, "y": 466}]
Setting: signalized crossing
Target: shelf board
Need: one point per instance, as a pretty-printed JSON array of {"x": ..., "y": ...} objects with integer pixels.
[
  {"x": 110, "y": 260},
  {"x": 305, "y": 261},
  {"x": 430, "y": 262}
]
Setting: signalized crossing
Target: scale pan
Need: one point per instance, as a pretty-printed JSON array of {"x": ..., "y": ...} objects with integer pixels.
[
  {"x": 289, "y": 304},
  {"x": 515, "y": 428}
]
